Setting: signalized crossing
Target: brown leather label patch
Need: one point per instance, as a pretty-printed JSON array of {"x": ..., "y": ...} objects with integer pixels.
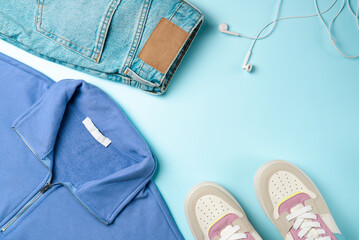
[{"x": 163, "y": 45}]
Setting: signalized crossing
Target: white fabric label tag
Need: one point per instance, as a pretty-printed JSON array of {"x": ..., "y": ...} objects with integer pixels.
[{"x": 95, "y": 132}]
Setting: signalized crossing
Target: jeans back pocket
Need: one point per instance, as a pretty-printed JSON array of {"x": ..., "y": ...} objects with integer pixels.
[{"x": 80, "y": 25}]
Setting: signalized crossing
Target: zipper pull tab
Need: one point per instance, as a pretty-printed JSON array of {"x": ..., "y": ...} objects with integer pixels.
[{"x": 45, "y": 188}]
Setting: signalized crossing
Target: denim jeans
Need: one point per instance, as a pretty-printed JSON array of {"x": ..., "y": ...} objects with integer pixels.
[{"x": 137, "y": 42}]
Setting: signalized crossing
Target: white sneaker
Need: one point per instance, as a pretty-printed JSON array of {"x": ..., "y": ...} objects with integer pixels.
[
  {"x": 293, "y": 203},
  {"x": 213, "y": 214}
]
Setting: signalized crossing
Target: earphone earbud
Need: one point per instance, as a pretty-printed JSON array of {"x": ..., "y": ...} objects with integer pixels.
[
  {"x": 247, "y": 66},
  {"x": 223, "y": 28}
]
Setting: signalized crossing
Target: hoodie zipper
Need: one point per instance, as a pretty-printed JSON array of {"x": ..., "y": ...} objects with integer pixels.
[
  {"x": 27, "y": 206},
  {"x": 42, "y": 191},
  {"x": 37, "y": 195}
]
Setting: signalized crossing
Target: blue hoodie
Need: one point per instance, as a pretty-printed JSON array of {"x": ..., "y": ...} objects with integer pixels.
[{"x": 72, "y": 166}]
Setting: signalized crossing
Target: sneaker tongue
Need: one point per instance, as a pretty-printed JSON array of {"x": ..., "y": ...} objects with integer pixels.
[
  {"x": 225, "y": 230},
  {"x": 296, "y": 207}
]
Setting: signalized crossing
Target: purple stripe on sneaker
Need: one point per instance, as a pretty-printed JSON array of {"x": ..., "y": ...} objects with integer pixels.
[
  {"x": 222, "y": 223},
  {"x": 226, "y": 220},
  {"x": 300, "y": 198},
  {"x": 288, "y": 204}
]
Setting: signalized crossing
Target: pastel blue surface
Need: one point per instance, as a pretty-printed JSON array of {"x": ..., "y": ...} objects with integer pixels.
[{"x": 219, "y": 123}]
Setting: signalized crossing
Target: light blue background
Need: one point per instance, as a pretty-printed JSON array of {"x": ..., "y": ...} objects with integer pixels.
[{"x": 219, "y": 123}]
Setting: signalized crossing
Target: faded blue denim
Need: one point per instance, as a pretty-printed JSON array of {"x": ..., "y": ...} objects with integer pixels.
[{"x": 100, "y": 37}]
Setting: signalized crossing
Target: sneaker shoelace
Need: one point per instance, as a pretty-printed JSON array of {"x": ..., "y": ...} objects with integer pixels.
[
  {"x": 304, "y": 221},
  {"x": 232, "y": 234}
]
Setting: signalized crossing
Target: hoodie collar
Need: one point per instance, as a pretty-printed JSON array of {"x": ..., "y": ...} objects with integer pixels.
[{"x": 39, "y": 127}]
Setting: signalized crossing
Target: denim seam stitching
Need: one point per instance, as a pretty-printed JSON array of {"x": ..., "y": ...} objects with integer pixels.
[
  {"x": 162, "y": 85},
  {"x": 40, "y": 16},
  {"x": 193, "y": 7},
  {"x": 53, "y": 39},
  {"x": 141, "y": 80},
  {"x": 143, "y": 20},
  {"x": 94, "y": 53},
  {"x": 55, "y": 35},
  {"x": 138, "y": 34},
  {"x": 164, "y": 75},
  {"x": 179, "y": 6},
  {"x": 66, "y": 64},
  {"x": 176, "y": 66},
  {"x": 39, "y": 23},
  {"x": 104, "y": 31},
  {"x": 143, "y": 63},
  {"x": 197, "y": 22},
  {"x": 133, "y": 42}
]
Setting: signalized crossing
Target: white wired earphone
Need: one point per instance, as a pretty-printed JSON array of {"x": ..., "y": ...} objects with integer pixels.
[{"x": 223, "y": 27}]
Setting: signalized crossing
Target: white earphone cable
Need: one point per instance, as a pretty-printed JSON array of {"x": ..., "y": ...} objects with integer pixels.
[
  {"x": 276, "y": 19},
  {"x": 285, "y": 18},
  {"x": 351, "y": 10},
  {"x": 274, "y": 24},
  {"x": 329, "y": 28}
]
